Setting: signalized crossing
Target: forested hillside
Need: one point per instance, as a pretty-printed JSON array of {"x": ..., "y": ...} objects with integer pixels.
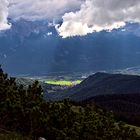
[
  {"x": 25, "y": 112},
  {"x": 105, "y": 84},
  {"x": 126, "y": 107}
]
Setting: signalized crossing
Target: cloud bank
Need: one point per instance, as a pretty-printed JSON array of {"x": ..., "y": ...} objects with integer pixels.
[
  {"x": 80, "y": 17},
  {"x": 98, "y": 15},
  {"x": 3, "y": 15},
  {"x": 42, "y": 9}
]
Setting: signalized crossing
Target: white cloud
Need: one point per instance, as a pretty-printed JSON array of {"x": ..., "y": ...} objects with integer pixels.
[
  {"x": 80, "y": 17},
  {"x": 3, "y": 15},
  {"x": 42, "y": 9},
  {"x": 49, "y": 33},
  {"x": 98, "y": 15}
]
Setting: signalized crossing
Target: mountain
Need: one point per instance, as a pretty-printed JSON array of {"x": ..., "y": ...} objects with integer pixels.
[
  {"x": 115, "y": 92},
  {"x": 35, "y": 48},
  {"x": 131, "y": 70},
  {"x": 99, "y": 84},
  {"x": 105, "y": 84}
]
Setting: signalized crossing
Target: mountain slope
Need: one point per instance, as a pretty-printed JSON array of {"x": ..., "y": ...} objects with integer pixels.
[
  {"x": 126, "y": 107},
  {"x": 114, "y": 92},
  {"x": 35, "y": 48},
  {"x": 105, "y": 84}
]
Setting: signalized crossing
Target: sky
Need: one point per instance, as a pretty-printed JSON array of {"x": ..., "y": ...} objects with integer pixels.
[{"x": 79, "y": 17}]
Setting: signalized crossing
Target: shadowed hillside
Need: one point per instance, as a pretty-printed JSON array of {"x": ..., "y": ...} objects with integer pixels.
[
  {"x": 105, "y": 84},
  {"x": 126, "y": 107}
]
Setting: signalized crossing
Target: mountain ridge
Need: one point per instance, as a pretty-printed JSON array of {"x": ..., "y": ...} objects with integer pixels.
[
  {"x": 104, "y": 83},
  {"x": 47, "y": 52}
]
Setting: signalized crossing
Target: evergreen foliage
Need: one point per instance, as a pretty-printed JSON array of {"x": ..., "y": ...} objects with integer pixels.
[{"x": 26, "y": 112}]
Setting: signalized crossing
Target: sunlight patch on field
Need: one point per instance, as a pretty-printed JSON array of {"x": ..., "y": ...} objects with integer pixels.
[{"x": 63, "y": 82}]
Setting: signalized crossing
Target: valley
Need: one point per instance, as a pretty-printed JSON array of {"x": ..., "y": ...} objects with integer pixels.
[
  {"x": 69, "y": 70},
  {"x": 62, "y": 82},
  {"x": 119, "y": 93},
  {"x": 115, "y": 92}
]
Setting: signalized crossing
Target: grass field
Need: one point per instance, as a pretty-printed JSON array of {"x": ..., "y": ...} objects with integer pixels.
[{"x": 62, "y": 82}]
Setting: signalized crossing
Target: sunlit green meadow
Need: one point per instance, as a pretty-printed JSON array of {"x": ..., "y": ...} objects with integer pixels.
[{"x": 63, "y": 82}]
